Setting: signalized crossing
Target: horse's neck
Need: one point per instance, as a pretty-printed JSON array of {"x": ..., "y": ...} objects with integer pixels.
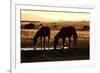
[
  {"x": 36, "y": 36},
  {"x": 58, "y": 36},
  {"x": 35, "y": 39}
]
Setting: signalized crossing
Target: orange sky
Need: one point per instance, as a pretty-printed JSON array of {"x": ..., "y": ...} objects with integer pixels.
[{"x": 47, "y": 16}]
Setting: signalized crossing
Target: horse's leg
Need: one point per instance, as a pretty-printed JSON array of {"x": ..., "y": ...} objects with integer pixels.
[
  {"x": 74, "y": 42},
  {"x": 56, "y": 39},
  {"x": 69, "y": 41},
  {"x": 63, "y": 39},
  {"x": 34, "y": 47},
  {"x": 55, "y": 43},
  {"x": 48, "y": 42},
  {"x": 44, "y": 43},
  {"x": 41, "y": 42}
]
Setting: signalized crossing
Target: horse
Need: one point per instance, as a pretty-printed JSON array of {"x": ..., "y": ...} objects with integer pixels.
[
  {"x": 43, "y": 32},
  {"x": 65, "y": 32}
]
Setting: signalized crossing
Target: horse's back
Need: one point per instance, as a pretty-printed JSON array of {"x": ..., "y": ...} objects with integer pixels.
[
  {"x": 67, "y": 31},
  {"x": 44, "y": 31},
  {"x": 72, "y": 31}
]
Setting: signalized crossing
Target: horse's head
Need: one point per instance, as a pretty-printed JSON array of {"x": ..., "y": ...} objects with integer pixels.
[{"x": 35, "y": 38}]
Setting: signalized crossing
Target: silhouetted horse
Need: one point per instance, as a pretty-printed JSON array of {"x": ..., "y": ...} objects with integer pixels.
[
  {"x": 69, "y": 32},
  {"x": 43, "y": 32}
]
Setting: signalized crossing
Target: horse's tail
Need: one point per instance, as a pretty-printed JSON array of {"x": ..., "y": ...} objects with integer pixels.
[
  {"x": 75, "y": 37},
  {"x": 49, "y": 34}
]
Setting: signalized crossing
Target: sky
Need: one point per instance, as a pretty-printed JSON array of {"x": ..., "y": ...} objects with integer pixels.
[{"x": 50, "y": 16}]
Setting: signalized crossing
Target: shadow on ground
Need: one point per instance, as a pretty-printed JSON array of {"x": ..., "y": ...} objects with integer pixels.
[{"x": 54, "y": 55}]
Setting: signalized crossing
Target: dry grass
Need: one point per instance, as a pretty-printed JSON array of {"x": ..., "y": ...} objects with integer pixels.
[{"x": 27, "y": 36}]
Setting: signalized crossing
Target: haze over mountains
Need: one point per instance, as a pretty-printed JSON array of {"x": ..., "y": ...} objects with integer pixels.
[
  {"x": 28, "y": 17},
  {"x": 53, "y": 16}
]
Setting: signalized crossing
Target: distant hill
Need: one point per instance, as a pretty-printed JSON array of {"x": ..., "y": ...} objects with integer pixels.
[{"x": 58, "y": 25}]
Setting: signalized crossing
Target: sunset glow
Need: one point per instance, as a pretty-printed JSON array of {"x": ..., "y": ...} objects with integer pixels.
[{"x": 47, "y": 16}]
